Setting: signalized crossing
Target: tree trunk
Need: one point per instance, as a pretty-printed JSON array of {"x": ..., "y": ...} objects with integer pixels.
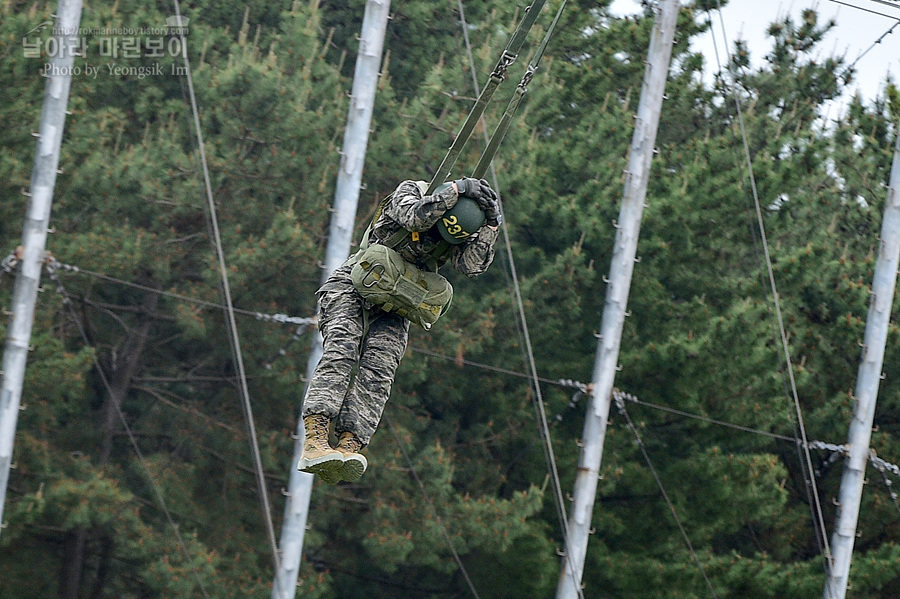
[
  {"x": 122, "y": 370},
  {"x": 72, "y": 561},
  {"x": 102, "y": 571}
]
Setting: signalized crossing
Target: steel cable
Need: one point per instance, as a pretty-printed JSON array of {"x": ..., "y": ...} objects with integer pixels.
[{"x": 233, "y": 337}]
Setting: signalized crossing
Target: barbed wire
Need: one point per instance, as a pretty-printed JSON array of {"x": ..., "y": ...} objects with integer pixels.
[
  {"x": 821, "y": 445},
  {"x": 9, "y": 264},
  {"x": 883, "y": 467},
  {"x": 843, "y": 450},
  {"x": 585, "y": 389}
]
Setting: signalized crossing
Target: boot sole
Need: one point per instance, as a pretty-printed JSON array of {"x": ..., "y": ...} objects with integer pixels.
[
  {"x": 353, "y": 467},
  {"x": 327, "y": 467}
]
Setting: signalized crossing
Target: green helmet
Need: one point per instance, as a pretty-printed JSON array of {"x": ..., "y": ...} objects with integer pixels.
[{"x": 461, "y": 221}]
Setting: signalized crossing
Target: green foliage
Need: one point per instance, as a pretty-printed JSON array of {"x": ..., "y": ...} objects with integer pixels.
[{"x": 271, "y": 83}]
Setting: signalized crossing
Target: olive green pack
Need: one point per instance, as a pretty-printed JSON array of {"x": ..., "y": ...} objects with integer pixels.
[{"x": 384, "y": 278}]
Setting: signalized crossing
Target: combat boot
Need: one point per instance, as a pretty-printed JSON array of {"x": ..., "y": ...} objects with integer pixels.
[
  {"x": 354, "y": 463},
  {"x": 318, "y": 457}
]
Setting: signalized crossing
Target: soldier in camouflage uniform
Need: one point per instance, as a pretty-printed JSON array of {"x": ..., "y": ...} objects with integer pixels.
[{"x": 358, "y": 334}]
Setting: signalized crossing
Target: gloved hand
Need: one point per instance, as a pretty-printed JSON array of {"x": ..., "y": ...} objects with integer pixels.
[
  {"x": 472, "y": 188},
  {"x": 487, "y": 199},
  {"x": 489, "y": 202}
]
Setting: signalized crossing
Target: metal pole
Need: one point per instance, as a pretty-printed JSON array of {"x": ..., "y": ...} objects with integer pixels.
[
  {"x": 346, "y": 198},
  {"x": 867, "y": 380},
  {"x": 621, "y": 268},
  {"x": 37, "y": 220}
]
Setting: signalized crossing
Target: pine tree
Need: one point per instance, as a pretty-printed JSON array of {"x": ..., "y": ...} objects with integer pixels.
[{"x": 271, "y": 86}]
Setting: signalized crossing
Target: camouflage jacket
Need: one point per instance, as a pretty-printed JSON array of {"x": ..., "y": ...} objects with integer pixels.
[{"x": 408, "y": 208}]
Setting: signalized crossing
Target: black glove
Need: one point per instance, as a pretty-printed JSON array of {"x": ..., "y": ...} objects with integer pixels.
[
  {"x": 472, "y": 188},
  {"x": 487, "y": 199},
  {"x": 489, "y": 202},
  {"x": 492, "y": 212}
]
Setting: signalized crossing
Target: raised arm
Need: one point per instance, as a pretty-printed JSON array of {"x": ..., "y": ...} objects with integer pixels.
[{"x": 416, "y": 211}]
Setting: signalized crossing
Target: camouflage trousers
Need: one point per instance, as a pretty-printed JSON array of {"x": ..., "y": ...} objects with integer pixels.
[{"x": 353, "y": 380}]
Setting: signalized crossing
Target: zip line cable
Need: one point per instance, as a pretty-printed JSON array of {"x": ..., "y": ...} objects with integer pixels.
[
  {"x": 757, "y": 246},
  {"x": 67, "y": 302},
  {"x": 538, "y": 402},
  {"x": 431, "y": 508},
  {"x": 618, "y": 397},
  {"x": 816, "y": 504},
  {"x": 233, "y": 338},
  {"x": 867, "y": 50},
  {"x": 547, "y": 441},
  {"x": 892, "y": 4},
  {"x": 789, "y": 385},
  {"x": 494, "y": 178},
  {"x": 868, "y": 10}
]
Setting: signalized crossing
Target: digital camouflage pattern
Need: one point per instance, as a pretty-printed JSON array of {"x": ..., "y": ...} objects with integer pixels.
[
  {"x": 356, "y": 403},
  {"x": 356, "y": 408},
  {"x": 410, "y": 209}
]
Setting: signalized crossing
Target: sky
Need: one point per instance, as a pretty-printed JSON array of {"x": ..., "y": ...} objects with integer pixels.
[{"x": 856, "y": 32}]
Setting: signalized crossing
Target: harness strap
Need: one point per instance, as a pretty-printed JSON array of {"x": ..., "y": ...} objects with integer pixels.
[
  {"x": 397, "y": 238},
  {"x": 364, "y": 242},
  {"x": 434, "y": 259},
  {"x": 400, "y": 237}
]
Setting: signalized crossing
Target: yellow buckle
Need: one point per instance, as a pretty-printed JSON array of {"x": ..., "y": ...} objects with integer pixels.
[{"x": 415, "y": 236}]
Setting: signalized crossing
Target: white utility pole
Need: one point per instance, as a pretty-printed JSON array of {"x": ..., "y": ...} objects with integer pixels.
[
  {"x": 622, "y": 265},
  {"x": 867, "y": 380},
  {"x": 37, "y": 220},
  {"x": 346, "y": 199}
]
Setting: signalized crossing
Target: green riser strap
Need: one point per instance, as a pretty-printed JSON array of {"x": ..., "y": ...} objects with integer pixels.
[
  {"x": 507, "y": 58},
  {"x": 497, "y": 138}
]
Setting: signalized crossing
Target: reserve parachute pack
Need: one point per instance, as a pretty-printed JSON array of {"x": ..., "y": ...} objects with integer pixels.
[{"x": 383, "y": 277}]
